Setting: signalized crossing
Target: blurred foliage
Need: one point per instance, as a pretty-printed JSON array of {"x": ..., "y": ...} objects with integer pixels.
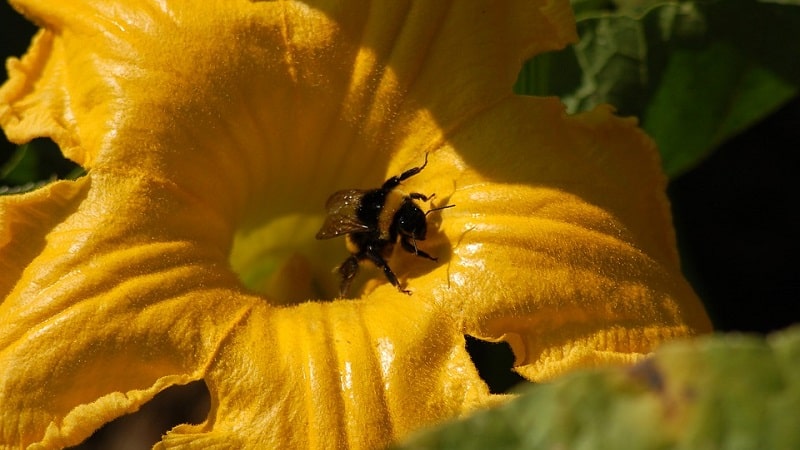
[{"x": 721, "y": 392}]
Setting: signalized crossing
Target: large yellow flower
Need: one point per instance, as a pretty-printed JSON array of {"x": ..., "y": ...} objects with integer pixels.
[{"x": 214, "y": 131}]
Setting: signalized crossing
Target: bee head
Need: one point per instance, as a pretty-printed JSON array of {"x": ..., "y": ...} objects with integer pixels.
[{"x": 411, "y": 221}]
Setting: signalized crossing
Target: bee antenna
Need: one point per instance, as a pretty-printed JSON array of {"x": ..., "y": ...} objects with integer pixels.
[{"x": 438, "y": 208}]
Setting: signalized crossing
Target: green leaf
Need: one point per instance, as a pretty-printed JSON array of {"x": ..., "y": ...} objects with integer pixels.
[
  {"x": 695, "y": 73},
  {"x": 694, "y": 111},
  {"x": 20, "y": 167},
  {"x": 721, "y": 392},
  {"x": 537, "y": 76},
  {"x": 718, "y": 84}
]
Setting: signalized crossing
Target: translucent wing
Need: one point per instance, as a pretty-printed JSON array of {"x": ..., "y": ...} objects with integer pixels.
[{"x": 342, "y": 218}]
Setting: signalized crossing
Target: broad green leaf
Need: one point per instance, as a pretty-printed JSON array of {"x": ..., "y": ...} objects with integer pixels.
[
  {"x": 706, "y": 97},
  {"x": 721, "y": 392},
  {"x": 695, "y": 73}
]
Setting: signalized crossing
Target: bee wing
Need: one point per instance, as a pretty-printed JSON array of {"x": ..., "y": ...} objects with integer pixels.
[{"x": 342, "y": 218}]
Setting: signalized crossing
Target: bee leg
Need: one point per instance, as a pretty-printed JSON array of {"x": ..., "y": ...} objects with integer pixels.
[
  {"x": 393, "y": 182},
  {"x": 380, "y": 262},
  {"x": 412, "y": 248},
  {"x": 348, "y": 270}
]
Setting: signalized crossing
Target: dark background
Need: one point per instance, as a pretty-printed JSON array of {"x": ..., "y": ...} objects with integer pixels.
[{"x": 735, "y": 217}]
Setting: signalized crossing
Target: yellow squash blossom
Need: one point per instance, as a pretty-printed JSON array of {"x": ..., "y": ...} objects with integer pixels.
[{"x": 214, "y": 131}]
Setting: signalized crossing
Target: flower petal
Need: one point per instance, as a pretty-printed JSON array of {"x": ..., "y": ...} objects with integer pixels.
[
  {"x": 26, "y": 220},
  {"x": 195, "y": 123},
  {"x": 561, "y": 239},
  {"x": 358, "y": 77},
  {"x": 117, "y": 304},
  {"x": 349, "y": 375}
]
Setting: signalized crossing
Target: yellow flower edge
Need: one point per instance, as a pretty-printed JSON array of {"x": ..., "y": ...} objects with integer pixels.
[{"x": 120, "y": 283}]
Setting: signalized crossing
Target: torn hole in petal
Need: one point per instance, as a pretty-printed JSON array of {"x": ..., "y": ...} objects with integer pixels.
[{"x": 495, "y": 364}]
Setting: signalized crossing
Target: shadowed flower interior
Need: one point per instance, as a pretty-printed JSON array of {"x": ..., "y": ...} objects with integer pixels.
[{"x": 213, "y": 134}]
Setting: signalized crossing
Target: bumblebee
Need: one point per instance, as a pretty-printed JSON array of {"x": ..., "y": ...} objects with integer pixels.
[{"x": 373, "y": 220}]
